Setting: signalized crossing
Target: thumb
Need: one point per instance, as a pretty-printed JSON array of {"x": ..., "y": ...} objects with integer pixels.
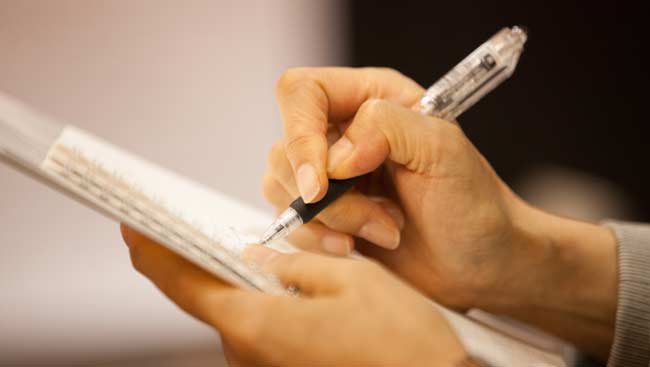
[
  {"x": 310, "y": 272},
  {"x": 384, "y": 130}
]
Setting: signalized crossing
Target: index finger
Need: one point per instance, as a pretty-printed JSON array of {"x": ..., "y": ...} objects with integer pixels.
[{"x": 310, "y": 98}]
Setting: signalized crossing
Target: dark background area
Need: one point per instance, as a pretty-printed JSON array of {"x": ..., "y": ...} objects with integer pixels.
[{"x": 576, "y": 99}]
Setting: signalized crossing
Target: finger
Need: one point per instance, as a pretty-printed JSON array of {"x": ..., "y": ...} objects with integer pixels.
[
  {"x": 311, "y": 273},
  {"x": 193, "y": 289},
  {"x": 310, "y": 97},
  {"x": 311, "y": 236},
  {"x": 358, "y": 215},
  {"x": 381, "y": 130},
  {"x": 318, "y": 238},
  {"x": 352, "y": 213},
  {"x": 391, "y": 208},
  {"x": 279, "y": 168},
  {"x": 236, "y": 313}
]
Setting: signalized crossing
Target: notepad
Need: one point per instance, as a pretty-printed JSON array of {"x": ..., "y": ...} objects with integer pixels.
[
  {"x": 206, "y": 227},
  {"x": 129, "y": 190}
]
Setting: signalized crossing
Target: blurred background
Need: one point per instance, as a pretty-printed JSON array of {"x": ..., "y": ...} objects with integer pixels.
[{"x": 179, "y": 81}]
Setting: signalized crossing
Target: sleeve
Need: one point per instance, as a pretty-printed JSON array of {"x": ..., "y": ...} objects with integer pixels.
[{"x": 631, "y": 347}]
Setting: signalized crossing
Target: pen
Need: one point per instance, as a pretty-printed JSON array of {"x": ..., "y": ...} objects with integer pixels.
[{"x": 474, "y": 77}]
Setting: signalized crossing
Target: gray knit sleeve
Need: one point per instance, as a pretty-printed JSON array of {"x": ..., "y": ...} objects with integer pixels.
[{"x": 631, "y": 346}]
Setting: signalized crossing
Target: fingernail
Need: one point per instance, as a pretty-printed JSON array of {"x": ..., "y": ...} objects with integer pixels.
[
  {"x": 308, "y": 184},
  {"x": 337, "y": 244},
  {"x": 338, "y": 152},
  {"x": 259, "y": 255},
  {"x": 380, "y": 234}
]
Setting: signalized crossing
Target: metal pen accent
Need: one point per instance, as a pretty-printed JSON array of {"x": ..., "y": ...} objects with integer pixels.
[{"x": 479, "y": 73}]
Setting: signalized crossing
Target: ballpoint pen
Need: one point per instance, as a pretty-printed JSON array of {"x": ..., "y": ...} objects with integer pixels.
[{"x": 474, "y": 77}]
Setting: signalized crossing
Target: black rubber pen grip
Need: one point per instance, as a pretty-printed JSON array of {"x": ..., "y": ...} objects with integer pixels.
[{"x": 335, "y": 190}]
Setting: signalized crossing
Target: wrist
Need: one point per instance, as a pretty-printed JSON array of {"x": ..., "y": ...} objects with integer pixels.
[
  {"x": 556, "y": 262},
  {"x": 575, "y": 270},
  {"x": 527, "y": 273},
  {"x": 563, "y": 277}
]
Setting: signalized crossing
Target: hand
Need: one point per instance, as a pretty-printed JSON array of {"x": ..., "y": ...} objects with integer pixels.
[
  {"x": 430, "y": 182},
  {"x": 435, "y": 210},
  {"x": 351, "y": 313}
]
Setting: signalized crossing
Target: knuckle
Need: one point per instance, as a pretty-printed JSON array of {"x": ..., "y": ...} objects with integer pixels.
[
  {"x": 299, "y": 144},
  {"x": 289, "y": 78},
  {"x": 372, "y": 109},
  {"x": 387, "y": 71},
  {"x": 430, "y": 156},
  {"x": 411, "y": 90},
  {"x": 448, "y": 145}
]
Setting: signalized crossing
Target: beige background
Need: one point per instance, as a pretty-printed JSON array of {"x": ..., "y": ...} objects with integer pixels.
[{"x": 186, "y": 84}]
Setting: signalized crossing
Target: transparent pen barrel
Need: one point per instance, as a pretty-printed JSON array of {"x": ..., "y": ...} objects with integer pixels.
[{"x": 475, "y": 76}]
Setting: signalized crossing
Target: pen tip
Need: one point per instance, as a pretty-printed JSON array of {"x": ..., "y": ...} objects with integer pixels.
[{"x": 267, "y": 236}]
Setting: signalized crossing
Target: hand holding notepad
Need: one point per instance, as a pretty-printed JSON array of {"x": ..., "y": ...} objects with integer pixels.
[
  {"x": 205, "y": 227},
  {"x": 351, "y": 309}
]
